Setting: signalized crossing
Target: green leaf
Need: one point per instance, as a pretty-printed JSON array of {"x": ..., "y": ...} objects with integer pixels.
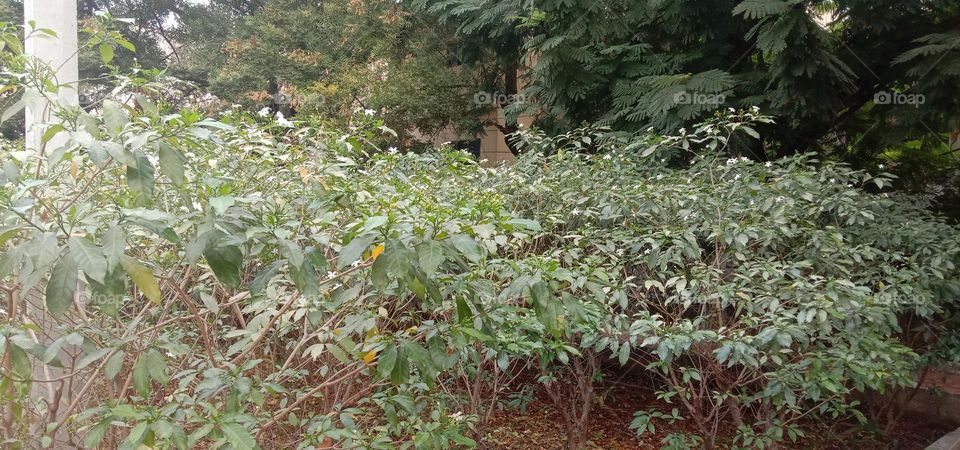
[
  {"x": 52, "y": 131},
  {"x": 12, "y": 110},
  {"x": 226, "y": 262},
  {"x": 238, "y": 436},
  {"x": 91, "y": 357},
  {"x": 464, "y": 314},
  {"x": 8, "y": 233},
  {"x": 141, "y": 376},
  {"x": 114, "y": 244},
  {"x": 467, "y": 246},
  {"x": 62, "y": 286},
  {"x": 263, "y": 278},
  {"x": 430, "y": 256},
  {"x": 156, "y": 366},
  {"x": 221, "y": 204},
  {"x": 143, "y": 278},
  {"x": 96, "y": 434},
  {"x": 88, "y": 257},
  {"x": 114, "y": 364},
  {"x": 114, "y": 117},
  {"x": 106, "y": 53},
  {"x": 125, "y": 43},
  {"x": 140, "y": 176},
  {"x": 171, "y": 163},
  {"x": 386, "y": 361},
  {"x": 394, "y": 262},
  {"x": 353, "y": 251}
]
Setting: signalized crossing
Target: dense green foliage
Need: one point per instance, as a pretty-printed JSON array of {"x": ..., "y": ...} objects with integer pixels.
[{"x": 247, "y": 282}]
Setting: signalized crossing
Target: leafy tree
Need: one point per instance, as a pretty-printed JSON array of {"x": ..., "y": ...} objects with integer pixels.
[{"x": 815, "y": 65}]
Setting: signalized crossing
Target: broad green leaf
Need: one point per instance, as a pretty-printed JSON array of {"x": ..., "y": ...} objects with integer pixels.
[
  {"x": 226, "y": 261},
  {"x": 430, "y": 256},
  {"x": 386, "y": 361},
  {"x": 106, "y": 53},
  {"x": 467, "y": 246},
  {"x": 143, "y": 278},
  {"x": 114, "y": 244},
  {"x": 91, "y": 357},
  {"x": 114, "y": 117},
  {"x": 263, "y": 278},
  {"x": 141, "y": 376},
  {"x": 140, "y": 177},
  {"x": 172, "y": 164},
  {"x": 114, "y": 364},
  {"x": 238, "y": 436},
  {"x": 221, "y": 204},
  {"x": 464, "y": 314},
  {"x": 62, "y": 286},
  {"x": 89, "y": 257},
  {"x": 354, "y": 250},
  {"x": 156, "y": 365},
  {"x": 96, "y": 434}
]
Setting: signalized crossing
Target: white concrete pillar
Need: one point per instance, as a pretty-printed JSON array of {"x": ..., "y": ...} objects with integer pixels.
[{"x": 59, "y": 52}]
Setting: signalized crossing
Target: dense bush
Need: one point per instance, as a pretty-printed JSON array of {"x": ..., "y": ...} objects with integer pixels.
[{"x": 175, "y": 281}]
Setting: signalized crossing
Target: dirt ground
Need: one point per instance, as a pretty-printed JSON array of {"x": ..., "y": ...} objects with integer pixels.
[{"x": 540, "y": 427}]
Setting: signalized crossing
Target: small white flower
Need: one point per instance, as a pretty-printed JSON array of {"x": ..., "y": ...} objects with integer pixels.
[
  {"x": 607, "y": 156},
  {"x": 731, "y": 110},
  {"x": 731, "y": 161},
  {"x": 369, "y": 112},
  {"x": 780, "y": 199},
  {"x": 331, "y": 274},
  {"x": 683, "y": 131},
  {"x": 833, "y": 180},
  {"x": 881, "y": 166},
  {"x": 392, "y": 150},
  {"x": 356, "y": 263},
  {"x": 282, "y": 121},
  {"x": 754, "y": 108},
  {"x": 736, "y": 177},
  {"x": 457, "y": 416},
  {"x": 768, "y": 164},
  {"x": 265, "y": 112}
]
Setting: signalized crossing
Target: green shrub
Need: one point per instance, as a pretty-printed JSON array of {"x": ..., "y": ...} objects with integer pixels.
[{"x": 240, "y": 284}]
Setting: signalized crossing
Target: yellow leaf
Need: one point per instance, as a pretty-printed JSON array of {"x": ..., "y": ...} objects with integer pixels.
[
  {"x": 369, "y": 357},
  {"x": 375, "y": 253},
  {"x": 303, "y": 173},
  {"x": 143, "y": 278},
  {"x": 74, "y": 169}
]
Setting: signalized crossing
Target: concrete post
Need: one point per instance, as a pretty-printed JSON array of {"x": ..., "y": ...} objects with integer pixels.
[{"x": 60, "y": 53}]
